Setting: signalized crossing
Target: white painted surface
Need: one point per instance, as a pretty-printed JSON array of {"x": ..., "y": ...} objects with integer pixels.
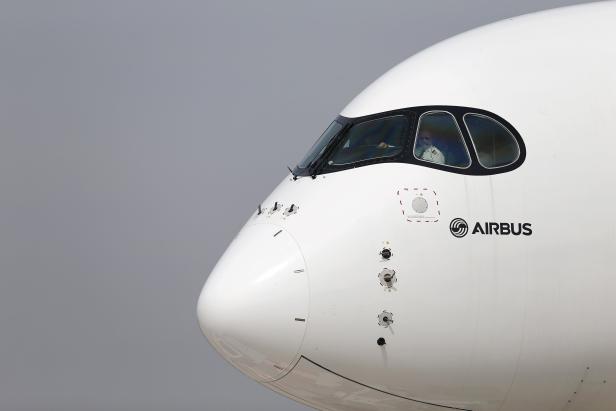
[
  {"x": 249, "y": 305},
  {"x": 482, "y": 322}
]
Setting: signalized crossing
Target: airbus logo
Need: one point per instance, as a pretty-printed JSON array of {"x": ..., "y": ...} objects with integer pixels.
[{"x": 459, "y": 228}]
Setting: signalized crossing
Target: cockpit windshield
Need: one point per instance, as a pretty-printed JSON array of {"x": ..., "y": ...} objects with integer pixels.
[
  {"x": 383, "y": 137},
  {"x": 368, "y": 140},
  {"x": 319, "y": 147},
  {"x": 453, "y": 139}
]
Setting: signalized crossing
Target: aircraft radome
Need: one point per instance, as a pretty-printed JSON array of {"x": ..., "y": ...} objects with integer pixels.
[{"x": 450, "y": 240}]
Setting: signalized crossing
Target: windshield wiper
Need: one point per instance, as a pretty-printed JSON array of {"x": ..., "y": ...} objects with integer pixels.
[
  {"x": 317, "y": 164},
  {"x": 292, "y": 173},
  {"x": 313, "y": 167}
]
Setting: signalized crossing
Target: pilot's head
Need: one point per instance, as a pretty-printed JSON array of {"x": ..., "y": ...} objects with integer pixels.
[{"x": 424, "y": 139}]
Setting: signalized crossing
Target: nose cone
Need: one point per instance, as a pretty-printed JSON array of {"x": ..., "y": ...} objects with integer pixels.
[{"x": 254, "y": 305}]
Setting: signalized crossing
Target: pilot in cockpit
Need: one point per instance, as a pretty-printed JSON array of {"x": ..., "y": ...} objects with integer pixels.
[
  {"x": 425, "y": 149},
  {"x": 389, "y": 140}
]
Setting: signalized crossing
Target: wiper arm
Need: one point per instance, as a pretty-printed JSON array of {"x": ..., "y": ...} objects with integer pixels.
[
  {"x": 292, "y": 173},
  {"x": 313, "y": 167}
]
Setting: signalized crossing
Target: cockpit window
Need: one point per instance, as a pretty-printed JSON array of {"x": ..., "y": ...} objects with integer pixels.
[
  {"x": 440, "y": 141},
  {"x": 318, "y": 147},
  {"x": 495, "y": 145},
  {"x": 372, "y": 139},
  {"x": 452, "y": 139}
]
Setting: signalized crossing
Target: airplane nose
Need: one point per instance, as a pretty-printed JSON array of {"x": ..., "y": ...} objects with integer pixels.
[{"x": 254, "y": 305}]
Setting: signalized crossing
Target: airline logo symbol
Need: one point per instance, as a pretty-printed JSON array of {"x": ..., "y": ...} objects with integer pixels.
[{"x": 458, "y": 227}]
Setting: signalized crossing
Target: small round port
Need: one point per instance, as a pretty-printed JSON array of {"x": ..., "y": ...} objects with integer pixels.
[{"x": 386, "y": 253}]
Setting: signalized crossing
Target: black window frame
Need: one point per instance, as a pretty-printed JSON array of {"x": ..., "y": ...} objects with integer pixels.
[{"x": 406, "y": 156}]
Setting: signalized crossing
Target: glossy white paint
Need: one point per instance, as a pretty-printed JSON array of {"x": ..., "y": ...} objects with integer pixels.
[
  {"x": 250, "y": 295},
  {"x": 483, "y": 322}
]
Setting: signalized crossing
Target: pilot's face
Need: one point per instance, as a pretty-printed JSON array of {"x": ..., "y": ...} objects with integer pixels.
[{"x": 424, "y": 139}]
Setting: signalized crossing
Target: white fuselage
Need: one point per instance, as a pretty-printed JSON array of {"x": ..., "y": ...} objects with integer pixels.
[{"x": 485, "y": 322}]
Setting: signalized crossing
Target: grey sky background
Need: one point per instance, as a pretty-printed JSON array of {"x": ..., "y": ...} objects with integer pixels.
[{"x": 136, "y": 137}]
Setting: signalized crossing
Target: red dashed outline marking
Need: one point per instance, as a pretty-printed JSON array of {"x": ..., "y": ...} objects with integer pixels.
[{"x": 418, "y": 220}]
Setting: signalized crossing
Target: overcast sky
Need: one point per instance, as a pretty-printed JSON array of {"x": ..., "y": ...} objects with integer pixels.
[{"x": 136, "y": 137}]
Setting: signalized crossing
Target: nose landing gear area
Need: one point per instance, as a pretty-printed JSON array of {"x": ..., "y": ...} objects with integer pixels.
[{"x": 321, "y": 388}]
